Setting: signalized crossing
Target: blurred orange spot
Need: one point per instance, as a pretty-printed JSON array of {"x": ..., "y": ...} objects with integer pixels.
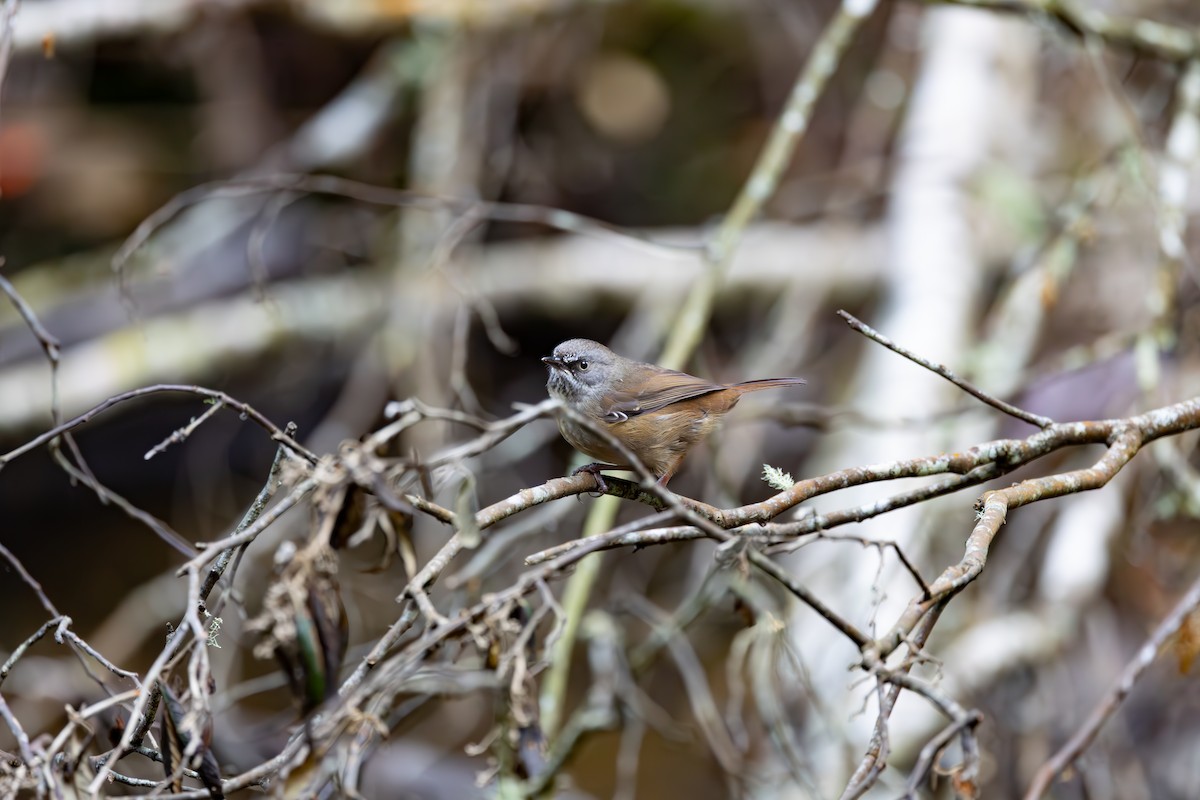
[
  {"x": 1187, "y": 642},
  {"x": 22, "y": 158}
]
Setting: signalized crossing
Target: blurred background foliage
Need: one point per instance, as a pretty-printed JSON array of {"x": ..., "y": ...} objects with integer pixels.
[{"x": 318, "y": 301}]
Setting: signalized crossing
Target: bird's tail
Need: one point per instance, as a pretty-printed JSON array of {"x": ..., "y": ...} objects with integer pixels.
[{"x": 767, "y": 383}]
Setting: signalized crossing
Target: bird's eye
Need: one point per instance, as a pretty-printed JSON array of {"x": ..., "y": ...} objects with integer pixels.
[{"x": 583, "y": 365}]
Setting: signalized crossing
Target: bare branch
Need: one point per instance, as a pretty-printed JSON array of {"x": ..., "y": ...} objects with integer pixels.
[
  {"x": 1108, "y": 705},
  {"x": 969, "y": 388},
  {"x": 163, "y": 388}
]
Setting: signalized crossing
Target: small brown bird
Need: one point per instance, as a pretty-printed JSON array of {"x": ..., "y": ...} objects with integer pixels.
[{"x": 657, "y": 413}]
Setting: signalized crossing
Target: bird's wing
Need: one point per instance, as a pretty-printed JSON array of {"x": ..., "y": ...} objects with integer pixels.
[{"x": 657, "y": 392}]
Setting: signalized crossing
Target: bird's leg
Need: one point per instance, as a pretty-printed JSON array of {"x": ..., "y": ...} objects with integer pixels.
[
  {"x": 593, "y": 469},
  {"x": 672, "y": 468}
]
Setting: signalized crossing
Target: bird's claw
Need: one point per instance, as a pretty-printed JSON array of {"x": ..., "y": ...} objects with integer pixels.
[{"x": 594, "y": 470}]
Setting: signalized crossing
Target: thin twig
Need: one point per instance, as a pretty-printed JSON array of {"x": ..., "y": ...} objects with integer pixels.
[
  {"x": 180, "y": 434},
  {"x": 927, "y": 760},
  {"x": 20, "y": 649},
  {"x": 64, "y": 633},
  {"x": 47, "y": 341},
  {"x": 106, "y": 496},
  {"x": 215, "y": 549},
  {"x": 1146, "y": 654},
  {"x": 18, "y": 732},
  {"x": 257, "y": 507},
  {"x": 932, "y": 366},
  {"x": 162, "y": 388}
]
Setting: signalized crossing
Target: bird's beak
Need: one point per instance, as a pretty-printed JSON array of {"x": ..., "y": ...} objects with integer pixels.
[{"x": 551, "y": 361}]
